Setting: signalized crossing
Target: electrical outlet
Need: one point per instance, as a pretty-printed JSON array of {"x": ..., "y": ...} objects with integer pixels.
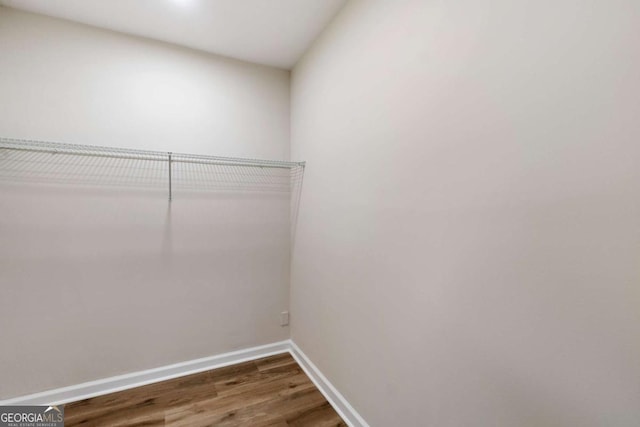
[{"x": 284, "y": 318}]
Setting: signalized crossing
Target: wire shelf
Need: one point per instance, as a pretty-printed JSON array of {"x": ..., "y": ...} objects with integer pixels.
[{"x": 60, "y": 163}]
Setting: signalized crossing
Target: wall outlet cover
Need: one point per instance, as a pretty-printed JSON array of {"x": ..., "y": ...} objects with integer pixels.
[{"x": 284, "y": 318}]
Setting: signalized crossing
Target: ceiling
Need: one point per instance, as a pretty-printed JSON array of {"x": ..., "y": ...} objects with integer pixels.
[{"x": 270, "y": 32}]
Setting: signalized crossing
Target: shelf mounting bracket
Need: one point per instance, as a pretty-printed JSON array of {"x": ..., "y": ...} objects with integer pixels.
[{"x": 170, "y": 195}]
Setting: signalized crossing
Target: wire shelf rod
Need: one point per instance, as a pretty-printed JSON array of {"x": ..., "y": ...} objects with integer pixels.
[{"x": 133, "y": 154}]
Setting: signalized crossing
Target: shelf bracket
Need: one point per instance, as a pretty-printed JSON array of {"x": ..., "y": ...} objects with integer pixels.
[{"x": 170, "y": 196}]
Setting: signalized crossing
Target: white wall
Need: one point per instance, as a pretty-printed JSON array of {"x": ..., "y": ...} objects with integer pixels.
[
  {"x": 73, "y": 83},
  {"x": 99, "y": 280},
  {"x": 468, "y": 239}
]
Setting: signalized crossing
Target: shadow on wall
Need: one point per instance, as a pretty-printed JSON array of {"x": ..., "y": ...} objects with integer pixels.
[
  {"x": 167, "y": 241},
  {"x": 297, "y": 177}
]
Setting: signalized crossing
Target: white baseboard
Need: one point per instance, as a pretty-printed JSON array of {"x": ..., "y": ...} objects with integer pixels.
[
  {"x": 337, "y": 400},
  {"x": 136, "y": 379},
  {"x": 90, "y": 389}
]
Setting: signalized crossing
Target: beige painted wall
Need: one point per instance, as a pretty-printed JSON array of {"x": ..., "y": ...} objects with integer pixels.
[
  {"x": 99, "y": 280},
  {"x": 468, "y": 242}
]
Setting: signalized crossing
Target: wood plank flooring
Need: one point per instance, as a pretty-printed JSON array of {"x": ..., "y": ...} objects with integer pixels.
[{"x": 273, "y": 391}]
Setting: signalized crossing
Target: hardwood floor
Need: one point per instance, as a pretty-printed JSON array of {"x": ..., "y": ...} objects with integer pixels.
[{"x": 273, "y": 391}]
